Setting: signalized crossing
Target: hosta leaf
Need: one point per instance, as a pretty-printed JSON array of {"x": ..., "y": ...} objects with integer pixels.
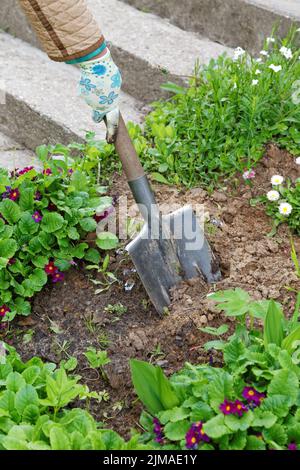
[
  {"x": 52, "y": 222},
  {"x": 291, "y": 339},
  {"x": 10, "y": 211}
]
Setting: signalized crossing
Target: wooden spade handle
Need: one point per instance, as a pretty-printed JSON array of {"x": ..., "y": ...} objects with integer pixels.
[{"x": 125, "y": 149}]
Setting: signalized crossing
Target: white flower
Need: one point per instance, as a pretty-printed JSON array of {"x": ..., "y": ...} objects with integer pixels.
[
  {"x": 269, "y": 40},
  {"x": 254, "y": 82},
  {"x": 265, "y": 53},
  {"x": 297, "y": 161},
  {"x": 273, "y": 195},
  {"x": 275, "y": 68},
  {"x": 285, "y": 208},
  {"x": 286, "y": 52},
  {"x": 257, "y": 72},
  {"x": 238, "y": 52},
  {"x": 258, "y": 60},
  {"x": 276, "y": 180}
]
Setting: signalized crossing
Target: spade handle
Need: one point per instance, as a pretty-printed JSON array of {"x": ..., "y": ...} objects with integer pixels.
[{"x": 137, "y": 180}]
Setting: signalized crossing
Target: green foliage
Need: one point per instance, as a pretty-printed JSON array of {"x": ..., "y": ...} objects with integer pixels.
[
  {"x": 34, "y": 413},
  {"x": 152, "y": 387},
  {"x": 219, "y": 124},
  {"x": 65, "y": 198}
]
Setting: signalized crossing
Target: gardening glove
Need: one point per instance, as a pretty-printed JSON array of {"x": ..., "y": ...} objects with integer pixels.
[{"x": 100, "y": 86}]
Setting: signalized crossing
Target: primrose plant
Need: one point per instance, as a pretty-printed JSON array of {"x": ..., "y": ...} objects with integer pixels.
[{"x": 45, "y": 218}]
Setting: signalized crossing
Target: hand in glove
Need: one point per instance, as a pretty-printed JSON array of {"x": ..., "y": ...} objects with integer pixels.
[{"x": 100, "y": 86}]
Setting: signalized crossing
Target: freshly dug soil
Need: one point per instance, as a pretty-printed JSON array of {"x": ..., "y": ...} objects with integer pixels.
[{"x": 249, "y": 259}]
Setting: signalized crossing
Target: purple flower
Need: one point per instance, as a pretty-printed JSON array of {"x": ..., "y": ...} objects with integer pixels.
[
  {"x": 24, "y": 170},
  {"x": 71, "y": 171},
  {"x": 158, "y": 431},
  {"x": 38, "y": 196},
  {"x": 195, "y": 435},
  {"x": 37, "y": 217},
  {"x": 240, "y": 408},
  {"x": 227, "y": 407},
  {"x": 57, "y": 277},
  {"x": 292, "y": 446},
  {"x": 47, "y": 172},
  {"x": 253, "y": 396}
]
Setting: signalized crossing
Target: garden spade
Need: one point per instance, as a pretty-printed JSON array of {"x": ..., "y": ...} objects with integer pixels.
[{"x": 169, "y": 248}]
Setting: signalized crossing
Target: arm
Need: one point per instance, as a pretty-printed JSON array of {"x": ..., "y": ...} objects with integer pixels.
[{"x": 68, "y": 33}]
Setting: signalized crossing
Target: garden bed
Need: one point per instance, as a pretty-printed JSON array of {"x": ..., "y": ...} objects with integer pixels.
[{"x": 249, "y": 259}]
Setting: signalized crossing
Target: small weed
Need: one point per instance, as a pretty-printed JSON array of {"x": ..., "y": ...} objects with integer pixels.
[
  {"x": 97, "y": 360},
  {"x": 117, "y": 309}
]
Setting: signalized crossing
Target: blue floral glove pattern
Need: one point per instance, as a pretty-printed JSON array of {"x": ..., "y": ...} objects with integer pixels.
[{"x": 100, "y": 86}]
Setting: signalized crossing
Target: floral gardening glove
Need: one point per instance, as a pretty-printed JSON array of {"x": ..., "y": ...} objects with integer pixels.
[{"x": 100, "y": 86}]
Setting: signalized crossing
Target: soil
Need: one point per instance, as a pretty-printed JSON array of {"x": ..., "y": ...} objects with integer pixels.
[{"x": 249, "y": 259}]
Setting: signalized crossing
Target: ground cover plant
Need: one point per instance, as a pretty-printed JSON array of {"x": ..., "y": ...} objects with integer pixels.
[
  {"x": 251, "y": 403},
  {"x": 34, "y": 412},
  {"x": 45, "y": 217},
  {"x": 219, "y": 124}
]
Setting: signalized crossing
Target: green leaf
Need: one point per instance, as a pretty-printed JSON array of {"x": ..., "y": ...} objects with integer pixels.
[
  {"x": 14, "y": 381},
  {"x": 159, "y": 178},
  {"x": 40, "y": 261},
  {"x": 73, "y": 233},
  {"x": 233, "y": 351},
  {"x": 152, "y": 387},
  {"x": 210, "y": 330},
  {"x": 59, "y": 439},
  {"x": 27, "y": 225},
  {"x": 216, "y": 344},
  {"x": 176, "y": 431},
  {"x": 289, "y": 341},
  {"x": 275, "y": 434},
  {"x": 92, "y": 255},
  {"x": 88, "y": 224},
  {"x": 277, "y": 405},
  {"x": 220, "y": 388},
  {"x": 264, "y": 419},
  {"x": 273, "y": 325},
  {"x": 26, "y": 201},
  {"x": 236, "y": 423},
  {"x": 107, "y": 241},
  {"x": 31, "y": 414},
  {"x": 173, "y": 415},
  {"x": 26, "y": 396},
  {"x": 52, "y": 222},
  {"x": 234, "y": 302},
  {"x": 8, "y": 248},
  {"x": 255, "y": 443},
  {"x": 10, "y": 211},
  {"x": 215, "y": 427},
  {"x": 284, "y": 383}
]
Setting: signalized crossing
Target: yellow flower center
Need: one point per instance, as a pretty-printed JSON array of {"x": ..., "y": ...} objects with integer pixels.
[
  {"x": 251, "y": 393},
  {"x": 239, "y": 407},
  {"x": 193, "y": 440},
  {"x": 202, "y": 432},
  {"x": 228, "y": 408}
]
